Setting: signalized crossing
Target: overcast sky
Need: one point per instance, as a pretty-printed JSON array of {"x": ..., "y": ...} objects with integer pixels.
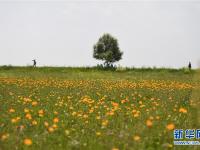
[{"x": 161, "y": 33}]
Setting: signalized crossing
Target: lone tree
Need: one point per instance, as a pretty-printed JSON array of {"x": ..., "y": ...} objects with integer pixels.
[{"x": 107, "y": 49}]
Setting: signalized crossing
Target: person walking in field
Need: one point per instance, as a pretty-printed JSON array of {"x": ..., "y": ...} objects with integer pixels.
[
  {"x": 190, "y": 66},
  {"x": 34, "y": 63}
]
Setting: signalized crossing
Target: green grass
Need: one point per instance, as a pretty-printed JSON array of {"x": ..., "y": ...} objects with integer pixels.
[{"x": 96, "y": 108}]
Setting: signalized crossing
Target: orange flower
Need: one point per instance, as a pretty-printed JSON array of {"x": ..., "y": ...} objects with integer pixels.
[
  {"x": 183, "y": 110},
  {"x": 123, "y": 101},
  {"x": 170, "y": 126},
  {"x": 14, "y": 120},
  {"x": 115, "y": 104},
  {"x": 111, "y": 113},
  {"x": 41, "y": 112},
  {"x": 27, "y": 142},
  {"x": 134, "y": 111},
  {"x": 34, "y": 103},
  {"x": 54, "y": 126},
  {"x": 28, "y": 116},
  {"x": 136, "y": 115},
  {"x": 55, "y": 120},
  {"x": 149, "y": 123},
  {"x": 11, "y": 110}
]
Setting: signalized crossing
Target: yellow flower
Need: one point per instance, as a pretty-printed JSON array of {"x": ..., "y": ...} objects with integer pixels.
[
  {"x": 114, "y": 148},
  {"x": 85, "y": 116},
  {"x": 91, "y": 110},
  {"x": 74, "y": 113},
  {"x": 10, "y": 93},
  {"x": 18, "y": 118},
  {"x": 98, "y": 133},
  {"x": 170, "y": 126},
  {"x": 4, "y": 136},
  {"x": 26, "y": 110},
  {"x": 151, "y": 117},
  {"x": 136, "y": 115},
  {"x": 55, "y": 112},
  {"x": 46, "y": 124},
  {"x": 27, "y": 141},
  {"x": 50, "y": 129},
  {"x": 157, "y": 117},
  {"x": 136, "y": 138},
  {"x": 67, "y": 132},
  {"x": 34, "y": 122},
  {"x": 27, "y": 100},
  {"x": 170, "y": 145},
  {"x": 98, "y": 117},
  {"x": 104, "y": 123},
  {"x": 14, "y": 120}
]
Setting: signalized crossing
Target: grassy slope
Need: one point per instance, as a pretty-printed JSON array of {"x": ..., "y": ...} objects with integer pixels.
[
  {"x": 122, "y": 126},
  {"x": 95, "y": 73}
]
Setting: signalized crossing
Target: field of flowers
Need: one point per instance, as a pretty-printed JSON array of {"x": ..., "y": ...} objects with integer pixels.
[{"x": 66, "y": 109}]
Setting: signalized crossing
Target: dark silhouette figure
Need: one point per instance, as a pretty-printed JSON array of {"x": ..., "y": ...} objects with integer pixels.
[
  {"x": 34, "y": 63},
  {"x": 190, "y": 66}
]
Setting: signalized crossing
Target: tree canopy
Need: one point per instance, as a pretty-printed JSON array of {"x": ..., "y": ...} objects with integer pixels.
[{"x": 107, "y": 49}]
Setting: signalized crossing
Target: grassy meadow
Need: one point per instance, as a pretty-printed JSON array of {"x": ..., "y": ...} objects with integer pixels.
[{"x": 51, "y": 108}]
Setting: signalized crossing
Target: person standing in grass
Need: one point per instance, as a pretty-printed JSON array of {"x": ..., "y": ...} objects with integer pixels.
[
  {"x": 190, "y": 66},
  {"x": 34, "y": 63}
]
